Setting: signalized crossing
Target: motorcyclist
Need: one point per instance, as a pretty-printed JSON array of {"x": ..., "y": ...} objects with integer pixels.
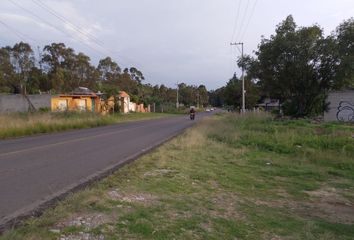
[{"x": 192, "y": 113}]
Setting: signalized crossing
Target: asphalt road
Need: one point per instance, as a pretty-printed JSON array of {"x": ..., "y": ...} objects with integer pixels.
[{"x": 36, "y": 171}]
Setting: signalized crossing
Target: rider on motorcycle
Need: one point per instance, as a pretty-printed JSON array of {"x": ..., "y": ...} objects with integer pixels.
[{"x": 192, "y": 113}]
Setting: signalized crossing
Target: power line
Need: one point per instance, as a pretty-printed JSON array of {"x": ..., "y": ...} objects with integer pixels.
[
  {"x": 243, "y": 77},
  {"x": 249, "y": 20},
  {"x": 243, "y": 20},
  {"x": 65, "y": 20},
  {"x": 236, "y": 20},
  {"x": 19, "y": 34},
  {"x": 69, "y": 35},
  {"x": 38, "y": 17},
  {"x": 53, "y": 26},
  {"x": 78, "y": 29}
]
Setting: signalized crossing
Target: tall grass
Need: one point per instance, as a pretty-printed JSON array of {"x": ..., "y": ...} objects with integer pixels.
[{"x": 24, "y": 124}]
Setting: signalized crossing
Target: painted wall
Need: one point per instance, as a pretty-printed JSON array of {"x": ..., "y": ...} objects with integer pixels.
[
  {"x": 17, "y": 103},
  {"x": 124, "y": 104},
  {"x": 107, "y": 106},
  {"x": 341, "y": 106},
  {"x": 77, "y": 103}
]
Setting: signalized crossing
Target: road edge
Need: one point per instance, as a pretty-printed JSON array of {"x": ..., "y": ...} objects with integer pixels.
[{"x": 37, "y": 209}]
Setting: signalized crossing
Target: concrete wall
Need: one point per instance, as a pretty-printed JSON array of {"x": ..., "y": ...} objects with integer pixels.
[
  {"x": 341, "y": 106},
  {"x": 17, "y": 103}
]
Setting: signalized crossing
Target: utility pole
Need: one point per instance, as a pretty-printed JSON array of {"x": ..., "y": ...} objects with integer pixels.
[
  {"x": 197, "y": 100},
  {"x": 243, "y": 77},
  {"x": 40, "y": 58},
  {"x": 177, "y": 102}
]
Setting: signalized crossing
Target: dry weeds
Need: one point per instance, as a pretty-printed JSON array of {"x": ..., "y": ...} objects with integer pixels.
[{"x": 143, "y": 198}]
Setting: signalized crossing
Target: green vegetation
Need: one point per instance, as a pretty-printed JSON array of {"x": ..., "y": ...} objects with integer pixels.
[
  {"x": 298, "y": 65},
  {"x": 230, "y": 177},
  {"x": 65, "y": 70},
  {"x": 25, "y": 124}
]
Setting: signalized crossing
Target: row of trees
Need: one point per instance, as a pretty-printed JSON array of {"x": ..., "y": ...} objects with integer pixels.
[
  {"x": 59, "y": 69},
  {"x": 231, "y": 94},
  {"x": 298, "y": 66}
]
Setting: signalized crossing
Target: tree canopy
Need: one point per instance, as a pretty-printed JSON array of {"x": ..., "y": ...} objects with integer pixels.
[
  {"x": 298, "y": 66},
  {"x": 61, "y": 70}
]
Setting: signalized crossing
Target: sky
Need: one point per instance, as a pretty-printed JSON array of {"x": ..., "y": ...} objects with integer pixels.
[{"x": 170, "y": 41}]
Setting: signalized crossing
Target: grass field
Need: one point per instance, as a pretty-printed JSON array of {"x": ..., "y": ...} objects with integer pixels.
[
  {"x": 24, "y": 124},
  {"x": 230, "y": 177}
]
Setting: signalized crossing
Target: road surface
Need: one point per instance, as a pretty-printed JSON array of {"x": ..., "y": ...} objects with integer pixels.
[{"x": 37, "y": 171}]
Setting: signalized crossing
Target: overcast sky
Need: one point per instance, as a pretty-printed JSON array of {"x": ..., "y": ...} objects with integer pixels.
[{"x": 168, "y": 40}]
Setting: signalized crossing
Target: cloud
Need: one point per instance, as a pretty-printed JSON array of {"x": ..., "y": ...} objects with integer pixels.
[
  {"x": 184, "y": 40},
  {"x": 20, "y": 20}
]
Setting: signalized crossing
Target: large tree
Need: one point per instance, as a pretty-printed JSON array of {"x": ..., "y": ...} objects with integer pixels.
[
  {"x": 109, "y": 70},
  {"x": 203, "y": 97},
  {"x": 344, "y": 39},
  {"x": 22, "y": 59},
  {"x": 233, "y": 92},
  {"x": 56, "y": 60},
  {"x": 68, "y": 70},
  {"x": 217, "y": 97},
  {"x": 82, "y": 71},
  {"x": 289, "y": 68},
  {"x": 6, "y": 71}
]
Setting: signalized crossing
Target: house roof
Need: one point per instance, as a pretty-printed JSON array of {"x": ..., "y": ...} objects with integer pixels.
[
  {"x": 123, "y": 94},
  {"x": 82, "y": 91},
  {"x": 79, "y": 95}
]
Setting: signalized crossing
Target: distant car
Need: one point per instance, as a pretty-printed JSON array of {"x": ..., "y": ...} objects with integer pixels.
[
  {"x": 207, "y": 110},
  {"x": 211, "y": 109}
]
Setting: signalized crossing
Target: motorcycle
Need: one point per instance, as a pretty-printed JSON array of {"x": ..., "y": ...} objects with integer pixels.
[{"x": 192, "y": 115}]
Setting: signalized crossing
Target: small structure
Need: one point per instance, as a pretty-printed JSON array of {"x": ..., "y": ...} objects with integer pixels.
[
  {"x": 270, "y": 104},
  {"x": 341, "y": 106},
  {"x": 132, "y": 107},
  {"x": 82, "y": 99},
  {"x": 107, "y": 105},
  {"x": 124, "y": 102},
  {"x": 127, "y": 106},
  {"x": 141, "y": 108}
]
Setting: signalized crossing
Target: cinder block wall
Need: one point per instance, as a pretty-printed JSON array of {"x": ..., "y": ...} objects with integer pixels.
[
  {"x": 17, "y": 103},
  {"x": 341, "y": 106}
]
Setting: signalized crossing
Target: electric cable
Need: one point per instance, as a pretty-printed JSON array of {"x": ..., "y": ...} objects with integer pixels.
[
  {"x": 243, "y": 20},
  {"x": 78, "y": 29},
  {"x": 108, "y": 52},
  {"x": 66, "y": 21},
  {"x": 236, "y": 20},
  {"x": 19, "y": 34},
  {"x": 58, "y": 29},
  {"x": 249, "y": 20}
]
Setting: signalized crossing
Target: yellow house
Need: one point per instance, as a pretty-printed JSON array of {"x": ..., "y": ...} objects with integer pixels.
[
  {"x": 83, "y": 99},
  {"x": 76, "y": 102}
]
